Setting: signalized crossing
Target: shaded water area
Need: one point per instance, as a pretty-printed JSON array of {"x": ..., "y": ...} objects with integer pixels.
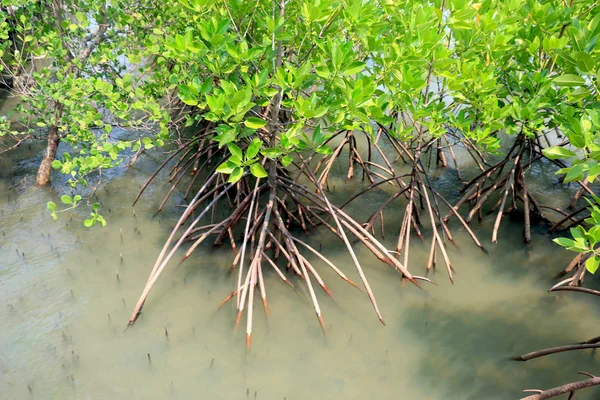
[{"x": 63, "y": 311}]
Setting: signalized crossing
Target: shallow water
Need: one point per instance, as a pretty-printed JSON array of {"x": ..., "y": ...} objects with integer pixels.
[{"x": 64, "y": 312}]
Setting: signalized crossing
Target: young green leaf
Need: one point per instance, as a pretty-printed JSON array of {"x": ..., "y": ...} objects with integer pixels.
[
  {"x": 354, "y": 68},
  {"x": 592, "y": 264},
  {"x": 235, "y": 151},
  {"x": 564, "y": 242},
  {"x": 253, "y": 149},
  {"x": 66, "y": 199},
  {"x": 254, "y": 123},
  {"x": 226, "y": 168},
  {"x": 258, "y": 171},
  {"x": 569, "y": 80},
  {"x": 236, "y": 175},
  {"x": 556, "y": 152}
]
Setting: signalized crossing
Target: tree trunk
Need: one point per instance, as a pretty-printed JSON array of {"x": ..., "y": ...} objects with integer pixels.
[{"x": 43, "y": 175}]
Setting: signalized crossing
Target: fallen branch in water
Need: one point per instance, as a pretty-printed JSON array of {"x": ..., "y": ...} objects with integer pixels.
[
  {"x": 570, "y": 388},
  {"x": 554, "y": 350}
]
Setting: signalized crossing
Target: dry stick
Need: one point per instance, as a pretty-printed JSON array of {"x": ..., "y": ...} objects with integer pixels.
[
  {"x": 461, "y": 220},
  {"x": 226, "y": 299},
  {"x": 570, "y": 387},
  {"x": 259, "y": 248},
  {"x": 281, "y": 275},
  {"x": 431, "y": 261},
  {"x": 336, "y": 153},
  {"x": 381, "y": 167},
  {"x": 190, "y": 208},
  {"x": 566, "y": 218},
  {"x": 251, "y": 289},
  {"x": 379, "y": 211},
  {"x": 482, "y": 198},
  {"x": 578, "y": 194},
  {"x": 363, "y": 278},
  {"x": 554, "y": 350},
  {"x": 351, "y": 150},
  {"x": 138, "y": 308},
  {"x": 243, "y": 292},
  {"x": 362, "y": 163},
  {"x": 349, "y": 222},
  {"x": 243, "y": 250},
  {"x": 385, "y": 258},
  {"x": 287, "y": 255},
  {"x": 389, "y": 165},
  {"x": 235, "y": 217},
  {"x": 294, "y": 250},
  {"x": 450, "y": 148},
  {"x": 487, "y": 173},
  {"x": 574, "y": 262},
  {"x": 575, "y": 289},
  {"x": 326, "y": 261},
  {"x": 437, "y": 235},
  {"x": 159, "y": 169},
  {"x": 263, "y": 291},
  {"x": 309, "y": 284},
  {"x": 232, "y": 240},
  {"x": 184, "y": 170},
  {"x": 509, "y": 184},
  {"x": 408, "y": 216},
  {"x": 176, "y": 169},
  {"x": 309, "y": 266},
  {"x": 202, "y": 238},
  {"x": 403, "y": 227}
]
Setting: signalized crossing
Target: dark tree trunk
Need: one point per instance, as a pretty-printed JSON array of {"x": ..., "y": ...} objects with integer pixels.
[{"x": 43, "y": 175}]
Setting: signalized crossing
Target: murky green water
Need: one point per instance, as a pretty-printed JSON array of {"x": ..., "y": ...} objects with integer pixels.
[{"x": 63, "y": 312}]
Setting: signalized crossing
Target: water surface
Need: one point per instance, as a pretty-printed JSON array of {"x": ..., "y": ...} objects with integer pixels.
[{"x": 64, "y": 312}]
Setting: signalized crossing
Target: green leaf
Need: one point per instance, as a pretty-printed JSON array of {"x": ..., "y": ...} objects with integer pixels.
[
  {"x": 56, "y": 164},
  {"x": 76, "y": 199},
  {"x": 324, "y": 150},
  {"x": 555, "y": 152},
  {"x": 258, "y": 171},
  {"x": 88, "y": 223},
  {"x": 271, "y": 153},
  {"x": 226, "y": 168},
  {"x": 66, "y": 199},
  {"x": 51, "y": 206},
  {"x": 585, "y": 62},
  {"x": 254, "y": 123},
  {"x": 592, "y": 264},
  {"x": 575, "y": 173},
  {"x": 235, "y": 151},
  {"x": 569, "y": 80},
  {"x": 253, "y": 149},
  {"x": 80, "y": 17},
  {"x": 354, "y": 68},
  {"x": 286, "y": 160},
  {"x": 236, "y": 175},
  {"x": 564, "y": 242}
]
